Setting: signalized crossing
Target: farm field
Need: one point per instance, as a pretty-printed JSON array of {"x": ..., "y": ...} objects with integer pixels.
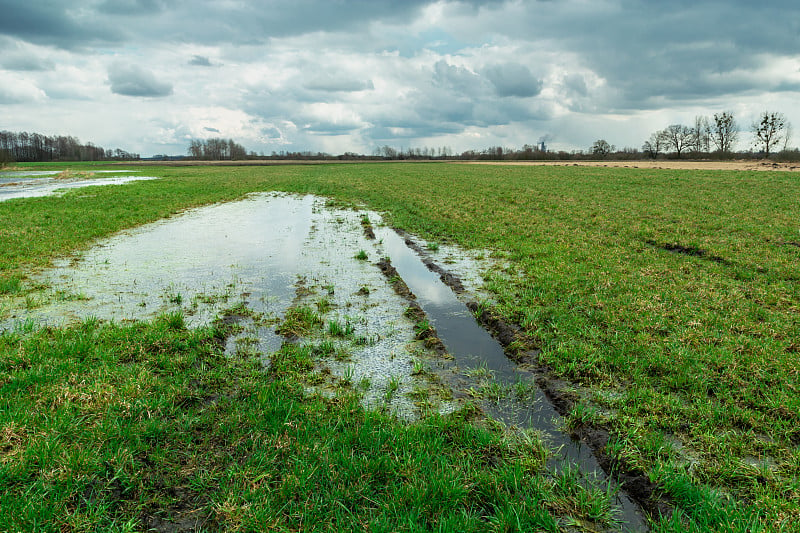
[{"x": 665, "y": 299}]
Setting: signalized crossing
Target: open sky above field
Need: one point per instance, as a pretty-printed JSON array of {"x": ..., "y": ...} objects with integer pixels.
[{"x": 148, "y": 75}]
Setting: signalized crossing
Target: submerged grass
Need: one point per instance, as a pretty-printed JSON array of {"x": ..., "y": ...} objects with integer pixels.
[{"x": 671, "y": 296}]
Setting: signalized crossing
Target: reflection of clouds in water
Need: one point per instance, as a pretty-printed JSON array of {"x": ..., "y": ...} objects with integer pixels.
[
  {"x": 253, "y": 246},
  {"x": 397, "y": 251}
]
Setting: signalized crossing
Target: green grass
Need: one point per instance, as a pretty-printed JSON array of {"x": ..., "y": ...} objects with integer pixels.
[
  {"x": 670, "y": 296},
  {"x": 114, "y": 428}
]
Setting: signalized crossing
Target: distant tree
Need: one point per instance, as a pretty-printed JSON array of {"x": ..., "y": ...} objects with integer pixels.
[
  {"x": 787, "y": 136},
  {"x": 196, "y": 149},
  {"x": 701, "y": 134},
  {"x": 724, "y": 131},
  {"x": 655, "y": 144},
  {"x": 601, "y": 148},
  {"x": 769, "y": 130},
  {"x": 5, "y": 158},
  {"x": 678, "y": 137}
]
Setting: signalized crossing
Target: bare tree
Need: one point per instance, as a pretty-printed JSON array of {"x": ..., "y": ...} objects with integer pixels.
[
  {"x": 787, "y": 136},
  {"x": 655, "y": 144},
  {"x": 678, "y": 137},
  {"x": 769, "y": 130},
  {"x": 724, "y": 131},
  {"x": 701, "y": 134}
]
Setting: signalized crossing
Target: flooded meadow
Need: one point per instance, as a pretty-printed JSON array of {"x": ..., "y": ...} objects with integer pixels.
[{"x": 281, "y": 270}]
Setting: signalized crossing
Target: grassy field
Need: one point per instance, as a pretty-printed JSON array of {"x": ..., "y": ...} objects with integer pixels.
[{"x": 669, "y": 298}]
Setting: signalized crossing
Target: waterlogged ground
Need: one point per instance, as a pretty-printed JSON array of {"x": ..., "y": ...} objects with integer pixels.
[
  {"x": 38, "y": 183},
  {"x": 278, "y": 268},
  {"x": 249, "y": 262}
]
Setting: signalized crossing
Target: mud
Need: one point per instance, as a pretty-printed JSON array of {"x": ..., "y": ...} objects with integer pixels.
[
  {"x": 369, "y": 231},
  {"x": 245, "y": 263}
]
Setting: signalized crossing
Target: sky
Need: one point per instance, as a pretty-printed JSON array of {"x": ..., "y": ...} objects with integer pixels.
[{"x": 148, "y": 76}]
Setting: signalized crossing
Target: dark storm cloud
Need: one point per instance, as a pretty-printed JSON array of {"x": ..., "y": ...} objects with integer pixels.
[
  {"x": 376, "y": 70},
  {"x": 130, "y": 80},
  {"x": 52, "y": 22},
  {"x": 83, "y": 22}
]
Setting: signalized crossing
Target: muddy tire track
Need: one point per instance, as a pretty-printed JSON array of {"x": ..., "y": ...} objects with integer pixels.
[{"x": 651, "y": 497}]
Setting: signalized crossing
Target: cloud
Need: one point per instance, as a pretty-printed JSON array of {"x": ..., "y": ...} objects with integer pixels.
[
  {"x": 513, "y": 79},
  {"x": 130, "y": 80},
  {"x": 459, "y": 79},
  {"x": 340, "y": 84},
  {"x": 15, "y": 90},
  {"x": 131, "y": 7},
  {"x": 200, "y": 61},
  {"x": 51, "y": 22}
]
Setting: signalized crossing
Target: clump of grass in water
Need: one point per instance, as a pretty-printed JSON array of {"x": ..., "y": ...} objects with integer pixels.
[
  {"x": 298, "y": 322},
  {"x": 336, "y": 329},
  {"x": 392, "y": 387},
  {"x": 362, "y": 255},
  {"x": 324, "y": 305},
  {"x": 325, "y": 348}
]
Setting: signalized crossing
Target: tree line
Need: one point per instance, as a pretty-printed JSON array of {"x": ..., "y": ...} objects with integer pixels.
[
  {"x": 35, "y": 147},
  {"x": 714, "y": 136},
  {"x": 216, "y": 150}
]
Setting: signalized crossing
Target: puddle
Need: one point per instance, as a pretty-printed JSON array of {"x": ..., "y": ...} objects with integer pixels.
[
  {"x": 25, "y": 186},
  {"x": 478, "y": 355},
  {"x": 265, "y": 254}
]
